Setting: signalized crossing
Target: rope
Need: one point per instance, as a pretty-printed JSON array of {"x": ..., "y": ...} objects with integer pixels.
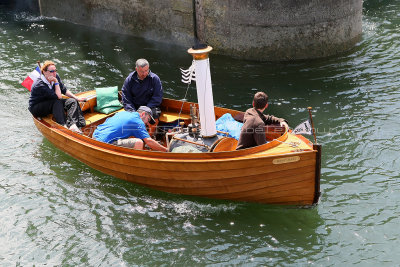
[
  {"x": 189, "y": 81},
  {"x": 292, "y": 144},
  {"x": 183, "y": 102}
]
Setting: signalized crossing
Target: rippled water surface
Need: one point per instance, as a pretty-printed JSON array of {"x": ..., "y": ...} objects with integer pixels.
[{"x": 55, "y": 210}]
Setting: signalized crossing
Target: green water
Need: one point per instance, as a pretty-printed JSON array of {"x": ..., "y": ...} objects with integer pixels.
[{"x": 56, "y": 211}]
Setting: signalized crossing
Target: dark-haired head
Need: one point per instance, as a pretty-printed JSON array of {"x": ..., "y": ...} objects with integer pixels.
[{"x": 260, "y": 100}]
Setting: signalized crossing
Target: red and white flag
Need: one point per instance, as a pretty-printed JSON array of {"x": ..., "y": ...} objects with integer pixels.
[{"x": 27, "y": 83}]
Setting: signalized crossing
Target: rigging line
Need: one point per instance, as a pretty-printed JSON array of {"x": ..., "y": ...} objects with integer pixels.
[
  {"x": 292, "y": 144},
  {"x": 183, "y": 102},
  {"x": 187, "y": 89}
]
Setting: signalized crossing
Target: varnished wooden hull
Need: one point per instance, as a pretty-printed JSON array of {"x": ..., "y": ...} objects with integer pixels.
[{"x": 290, "y": 178}]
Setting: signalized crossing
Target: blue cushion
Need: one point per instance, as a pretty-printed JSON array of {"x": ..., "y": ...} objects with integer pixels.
[{"x": 226, "y": 123}]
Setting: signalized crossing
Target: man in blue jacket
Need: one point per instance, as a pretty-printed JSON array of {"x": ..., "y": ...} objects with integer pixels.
[{"x": 142, "y": 88}]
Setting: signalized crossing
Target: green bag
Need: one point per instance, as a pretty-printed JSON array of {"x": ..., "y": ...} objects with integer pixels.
[{"x": 107, "y": 100}]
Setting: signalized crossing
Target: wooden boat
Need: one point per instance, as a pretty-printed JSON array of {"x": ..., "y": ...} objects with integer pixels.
[{"x": 284, "y": 171}]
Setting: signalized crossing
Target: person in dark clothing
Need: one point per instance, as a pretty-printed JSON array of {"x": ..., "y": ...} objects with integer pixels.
[
  {"x": 46, "y": 98},
  {"x": 142, "y": 88},
  {"x": 253, "y": 129}
]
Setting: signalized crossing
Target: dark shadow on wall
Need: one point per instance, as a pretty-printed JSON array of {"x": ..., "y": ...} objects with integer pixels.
[{"x": 31, "y": 6}]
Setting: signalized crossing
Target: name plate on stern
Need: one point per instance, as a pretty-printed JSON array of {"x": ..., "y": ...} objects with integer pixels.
[{"x": 286, "y": 160}]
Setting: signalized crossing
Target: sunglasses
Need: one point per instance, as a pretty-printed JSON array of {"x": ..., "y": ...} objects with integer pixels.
[{"x": 52, "y": 71}]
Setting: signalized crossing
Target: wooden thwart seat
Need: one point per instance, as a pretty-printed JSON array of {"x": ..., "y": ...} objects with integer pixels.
[
  {"x": 97, "y": 116},
  {"x": 168, "y": 116}
]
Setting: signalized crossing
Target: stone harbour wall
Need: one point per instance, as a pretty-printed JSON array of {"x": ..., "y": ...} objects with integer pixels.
[{"x": 267, "y": 30}]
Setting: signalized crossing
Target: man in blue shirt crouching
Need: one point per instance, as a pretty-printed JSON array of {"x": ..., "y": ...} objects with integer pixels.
[{"x": 128, "y": 129}]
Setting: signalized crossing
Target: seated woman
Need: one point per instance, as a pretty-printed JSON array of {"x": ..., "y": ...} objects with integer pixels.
[{"x": 46, "y": 98}]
